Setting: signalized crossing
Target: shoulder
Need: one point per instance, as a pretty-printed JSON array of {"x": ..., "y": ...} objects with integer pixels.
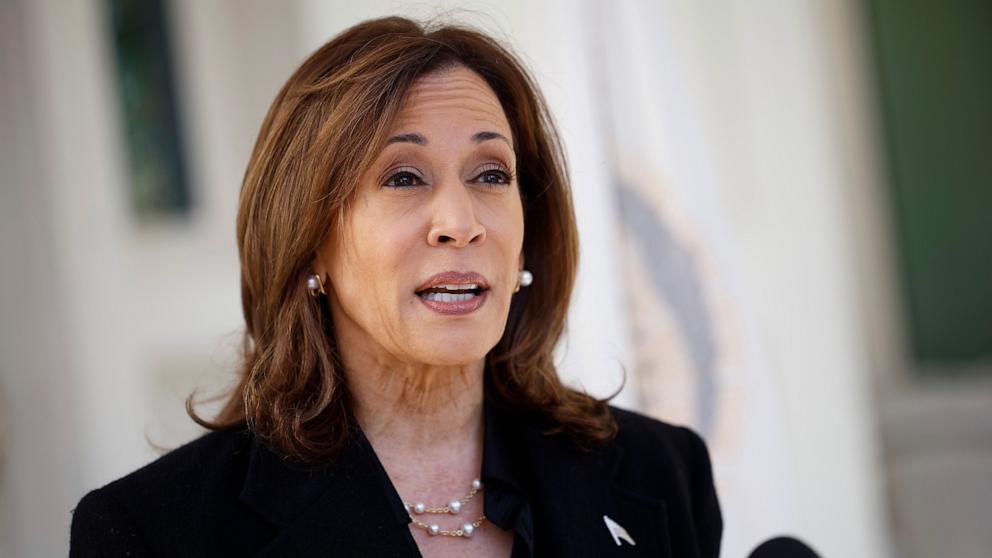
[
  {"x": 657, "y": 451},
  {"x": 190, "y": 467},
  {"x": 653, "y": 439},
  {"x": 672, "y": 463},
  {"x": 171, "y": 499}
]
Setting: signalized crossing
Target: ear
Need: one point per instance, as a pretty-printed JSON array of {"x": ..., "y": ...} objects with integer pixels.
[
  {"x": 323, "y": 258},
  {"x": 521, "y": 264},
  {"x": 318, "y": 265}
]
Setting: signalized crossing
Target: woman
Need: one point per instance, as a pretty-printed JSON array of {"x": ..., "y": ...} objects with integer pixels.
[{"x": 408, "y": 250}]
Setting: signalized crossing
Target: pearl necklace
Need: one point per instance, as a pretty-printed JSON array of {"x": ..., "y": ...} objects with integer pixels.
[{"x": 452, "y": 507}]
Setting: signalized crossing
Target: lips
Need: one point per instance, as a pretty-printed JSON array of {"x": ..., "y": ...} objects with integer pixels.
[
  {"x": 454, "y": 292},
  {"x": 455, "y": 282}
]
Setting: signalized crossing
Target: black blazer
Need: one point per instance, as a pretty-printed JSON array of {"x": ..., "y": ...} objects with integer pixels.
[{"x": 225, "y": 494}]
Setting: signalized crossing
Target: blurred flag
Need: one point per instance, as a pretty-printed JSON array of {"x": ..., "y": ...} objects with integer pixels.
[{"x": 696, "y": 356}]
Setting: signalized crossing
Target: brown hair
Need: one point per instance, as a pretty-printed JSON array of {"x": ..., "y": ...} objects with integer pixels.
[{"x": 321, "y": 133}]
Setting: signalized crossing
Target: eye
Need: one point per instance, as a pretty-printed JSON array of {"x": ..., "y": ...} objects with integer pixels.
[
  {"x": 404, "y": 179},
  {"x": 495, "y": 175}
]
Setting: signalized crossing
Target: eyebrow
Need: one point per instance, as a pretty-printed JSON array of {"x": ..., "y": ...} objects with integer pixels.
[
  {"x": 484, "y": 136},
  {"x": 407, "y": 138},
  {"x": 418, "y": 139}
]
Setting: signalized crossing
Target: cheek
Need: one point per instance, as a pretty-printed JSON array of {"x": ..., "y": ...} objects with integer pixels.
[
  {"x": 515, "y": 216},
  {"x": 506, "y": 222},
  {"x": 377, "y": 252}
]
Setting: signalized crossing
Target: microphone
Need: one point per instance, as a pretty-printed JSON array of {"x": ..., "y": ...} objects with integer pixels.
[{"x": 783, "y": 547}]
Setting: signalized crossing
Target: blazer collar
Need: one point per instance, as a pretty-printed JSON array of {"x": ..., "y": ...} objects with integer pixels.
[
  {"x": 503, "y": 456},
  {"x": 577, "y": 489},
  {"x": 349, "y": 507},
  {"x": 346, "y": 508},
  {"x": 568, "y": 491},
  {"x": 311, "y": 504}
]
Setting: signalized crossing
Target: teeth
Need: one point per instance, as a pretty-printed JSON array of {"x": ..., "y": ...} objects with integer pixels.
[
  {"x": 464, "y": 287},
  {"x": 449, "y": 297}
]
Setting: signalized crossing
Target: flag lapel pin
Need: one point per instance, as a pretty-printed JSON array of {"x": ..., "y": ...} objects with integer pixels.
[{"x": 618, "y": 532}]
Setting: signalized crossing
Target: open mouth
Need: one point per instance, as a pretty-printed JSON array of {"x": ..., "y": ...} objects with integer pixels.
[
  {"x": 454, "y": 292},
  {"x": 451, "y": 292}
]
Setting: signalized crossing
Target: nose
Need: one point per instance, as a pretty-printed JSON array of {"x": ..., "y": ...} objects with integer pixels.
[{"x": 453, "y": 218}]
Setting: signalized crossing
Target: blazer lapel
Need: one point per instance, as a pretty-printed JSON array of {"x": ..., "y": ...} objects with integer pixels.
[
  {"x": 345, "y": 508},
  {"x": 342, "y": 509},
  {"x": 573, "y": 491}
]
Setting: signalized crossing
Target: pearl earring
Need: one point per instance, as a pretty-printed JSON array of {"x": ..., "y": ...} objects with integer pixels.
[
  {"x": 524, "y": 279},
  {"x": 315, "y": 285}
]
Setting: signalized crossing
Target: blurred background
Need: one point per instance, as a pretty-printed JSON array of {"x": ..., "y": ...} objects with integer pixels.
[{"x": 784, "y": 211}]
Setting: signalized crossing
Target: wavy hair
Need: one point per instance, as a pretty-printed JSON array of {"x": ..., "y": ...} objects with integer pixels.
[{"x": 321, "y": 133}]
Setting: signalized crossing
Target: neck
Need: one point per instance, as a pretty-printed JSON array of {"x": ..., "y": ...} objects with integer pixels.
[{"x": 415, "y": 407}]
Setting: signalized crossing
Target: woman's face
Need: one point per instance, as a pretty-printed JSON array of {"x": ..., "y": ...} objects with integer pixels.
[{"x": 423, "y": 267}]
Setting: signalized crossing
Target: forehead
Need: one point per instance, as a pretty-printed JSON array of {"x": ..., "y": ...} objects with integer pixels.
[{"x": 451, "y": 97}]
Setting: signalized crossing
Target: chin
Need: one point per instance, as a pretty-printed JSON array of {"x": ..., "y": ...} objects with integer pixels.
[{"x": 454, "y": 352}]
